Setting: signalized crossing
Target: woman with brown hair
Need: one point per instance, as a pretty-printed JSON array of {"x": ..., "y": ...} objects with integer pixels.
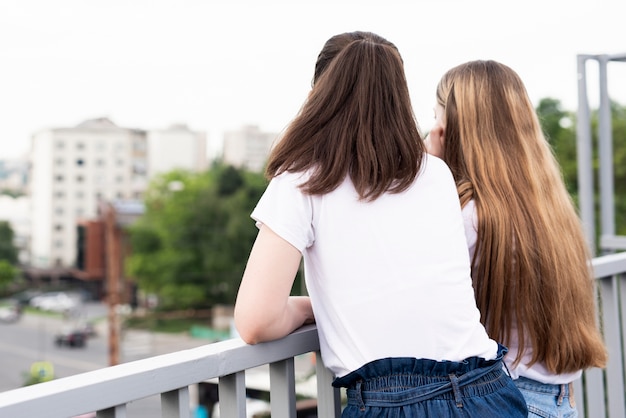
[
  {"x": 530, "y": 259},
  {"x": 379, "y": 225}
]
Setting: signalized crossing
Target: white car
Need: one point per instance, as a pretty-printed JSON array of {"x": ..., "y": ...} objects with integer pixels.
[
  {"x": 55, "y": 302},
  {"x": 9, "y": 314}
]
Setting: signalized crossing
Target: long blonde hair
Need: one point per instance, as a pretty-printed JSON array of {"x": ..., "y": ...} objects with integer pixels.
[{"x": 530, "y": 267}]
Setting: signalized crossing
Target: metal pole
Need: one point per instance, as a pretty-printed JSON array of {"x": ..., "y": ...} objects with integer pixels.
[
  {"x": 113, "y": 274},
  {"x": 584, "y": 156},
  {"x": 605, "y": 146}
]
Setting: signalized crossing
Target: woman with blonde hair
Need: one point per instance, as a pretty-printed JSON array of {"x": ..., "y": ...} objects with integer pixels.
[
  {"x": 378, "y": 223},
  {"x": 530, "y": 259}
]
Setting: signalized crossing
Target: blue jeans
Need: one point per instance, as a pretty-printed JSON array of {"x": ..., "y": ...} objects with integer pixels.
[
  {"x": 547, "y": 401},
  {"x": 409, "y": 387}
]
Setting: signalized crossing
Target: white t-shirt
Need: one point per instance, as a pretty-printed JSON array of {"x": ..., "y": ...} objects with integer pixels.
[
  {"x": 388, "y": 278},
  {"x": 537, "y": 371}
]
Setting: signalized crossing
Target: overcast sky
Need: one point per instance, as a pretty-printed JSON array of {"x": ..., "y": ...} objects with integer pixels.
[{"x": 217, "y": 65}]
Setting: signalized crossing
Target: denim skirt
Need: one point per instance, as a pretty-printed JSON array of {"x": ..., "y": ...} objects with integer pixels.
[
  {"x": 409, "y": 387},
  {"x": 547, "y": 401}
]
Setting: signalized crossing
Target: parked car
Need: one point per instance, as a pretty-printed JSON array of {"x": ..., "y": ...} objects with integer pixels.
[
  {"x": 9, "y": 313},
  {"x": 55, "y": 302},
  {"x": 70, "y": 337},
  {"x": 23, "y": 298},
  {"x": 88, "y": 328}
]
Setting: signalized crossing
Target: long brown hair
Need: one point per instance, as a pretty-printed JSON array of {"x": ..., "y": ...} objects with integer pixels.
[
  {"x": 357, "y": 121},
  {"x": 531, "y": 265}
]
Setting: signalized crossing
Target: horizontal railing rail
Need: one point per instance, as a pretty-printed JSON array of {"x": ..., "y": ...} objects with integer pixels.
[
  {"x": 599, "y": 393},
  {"x": 110, "y": 389}
]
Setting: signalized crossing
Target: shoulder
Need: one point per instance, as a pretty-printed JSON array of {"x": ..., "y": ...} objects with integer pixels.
[
  {"x": 435, "y": 165},
  {"x": 286, "y": 182}
]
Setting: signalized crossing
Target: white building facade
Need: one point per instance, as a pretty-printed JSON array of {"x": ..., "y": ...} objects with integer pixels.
[
  {"x": 176, "y": 148},
  {"x": 73, "y": 169},
  {"x": 248, "y": 147}
]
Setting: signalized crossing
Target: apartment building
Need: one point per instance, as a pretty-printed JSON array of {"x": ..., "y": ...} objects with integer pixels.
[
  {"x": 75, "y": 169},
  {"x": 248, "y": 147},
  {"x": 177, "y": 147}
]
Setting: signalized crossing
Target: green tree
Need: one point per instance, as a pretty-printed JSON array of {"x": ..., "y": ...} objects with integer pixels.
[
  {"x": 8, "y": 274},
  {"x": 8, "y": 256},
  {"x": 191, "y": 246},
  {"x": 560, "y": 129},
  {"x": 618, "y": 119},
  {"x": 8, "y": 251}
]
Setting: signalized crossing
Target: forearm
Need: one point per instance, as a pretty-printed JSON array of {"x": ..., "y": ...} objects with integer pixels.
[{"x": 262, "y": 324}]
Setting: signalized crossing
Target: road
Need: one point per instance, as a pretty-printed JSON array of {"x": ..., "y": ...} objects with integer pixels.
[{"x": 31, "y": 340}]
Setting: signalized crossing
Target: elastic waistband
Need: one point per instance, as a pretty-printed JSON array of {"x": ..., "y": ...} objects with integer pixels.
[
  {"x": 454, "y": 388},
  {"x": 377, "y": 372},
  {"x": 552, "y": 389}
]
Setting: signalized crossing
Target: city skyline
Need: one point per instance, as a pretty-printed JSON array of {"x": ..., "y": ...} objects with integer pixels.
[{"x": 218, "y": 66}]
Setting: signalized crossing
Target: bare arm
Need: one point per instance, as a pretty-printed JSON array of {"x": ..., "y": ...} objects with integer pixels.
[{"x": 264, "y": 311}]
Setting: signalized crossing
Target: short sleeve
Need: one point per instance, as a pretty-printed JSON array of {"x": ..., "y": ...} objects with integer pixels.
[{"x": 286, "y": 210}]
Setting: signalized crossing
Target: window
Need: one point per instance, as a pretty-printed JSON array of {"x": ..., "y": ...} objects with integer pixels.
[
  {"x": 80, "y": 162},
  {"x": 58, "y": 178},
  {"x": 139, "y": 145},
  {"x": 80, "y": 146}
]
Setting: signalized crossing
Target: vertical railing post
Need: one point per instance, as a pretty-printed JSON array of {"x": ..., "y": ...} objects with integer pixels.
[
  {"x": 605, "y": 155},
  {"x": 584, "y": 156},
  {"x": 175, "y": 404},
  {"x": 283, "y": 389},
  {"x": 328, "y": 397},
  {"x": 232, "y": 394},
  {"x": 115, "y": 412}
]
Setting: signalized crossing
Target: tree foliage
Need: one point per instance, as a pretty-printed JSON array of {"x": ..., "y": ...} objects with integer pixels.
[
  {"x": 191, "y": 246},
  {"x": 8, "y": 255},
  {"x": 8, "y": 251},
  {"x": 560, "y": 129}
]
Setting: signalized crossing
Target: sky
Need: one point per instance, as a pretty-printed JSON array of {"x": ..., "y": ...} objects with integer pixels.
[{"x": 218, "y": 65}]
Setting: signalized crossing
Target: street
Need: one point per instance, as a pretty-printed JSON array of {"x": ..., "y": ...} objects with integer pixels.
[{"x": 31, "y": 340}]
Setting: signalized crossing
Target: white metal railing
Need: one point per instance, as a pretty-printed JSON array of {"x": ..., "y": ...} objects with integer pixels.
[
  {"x": 599, "y": 393},
  {"x": 109, "y": 390}
]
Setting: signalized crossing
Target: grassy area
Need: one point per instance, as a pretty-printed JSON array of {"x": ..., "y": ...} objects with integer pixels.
[
  {"x": 31, "y": 310},
  {"x": 168, "y": 325}
]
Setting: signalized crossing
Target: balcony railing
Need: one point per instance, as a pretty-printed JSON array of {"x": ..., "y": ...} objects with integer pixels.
[{"x": 599, "y": 393}]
